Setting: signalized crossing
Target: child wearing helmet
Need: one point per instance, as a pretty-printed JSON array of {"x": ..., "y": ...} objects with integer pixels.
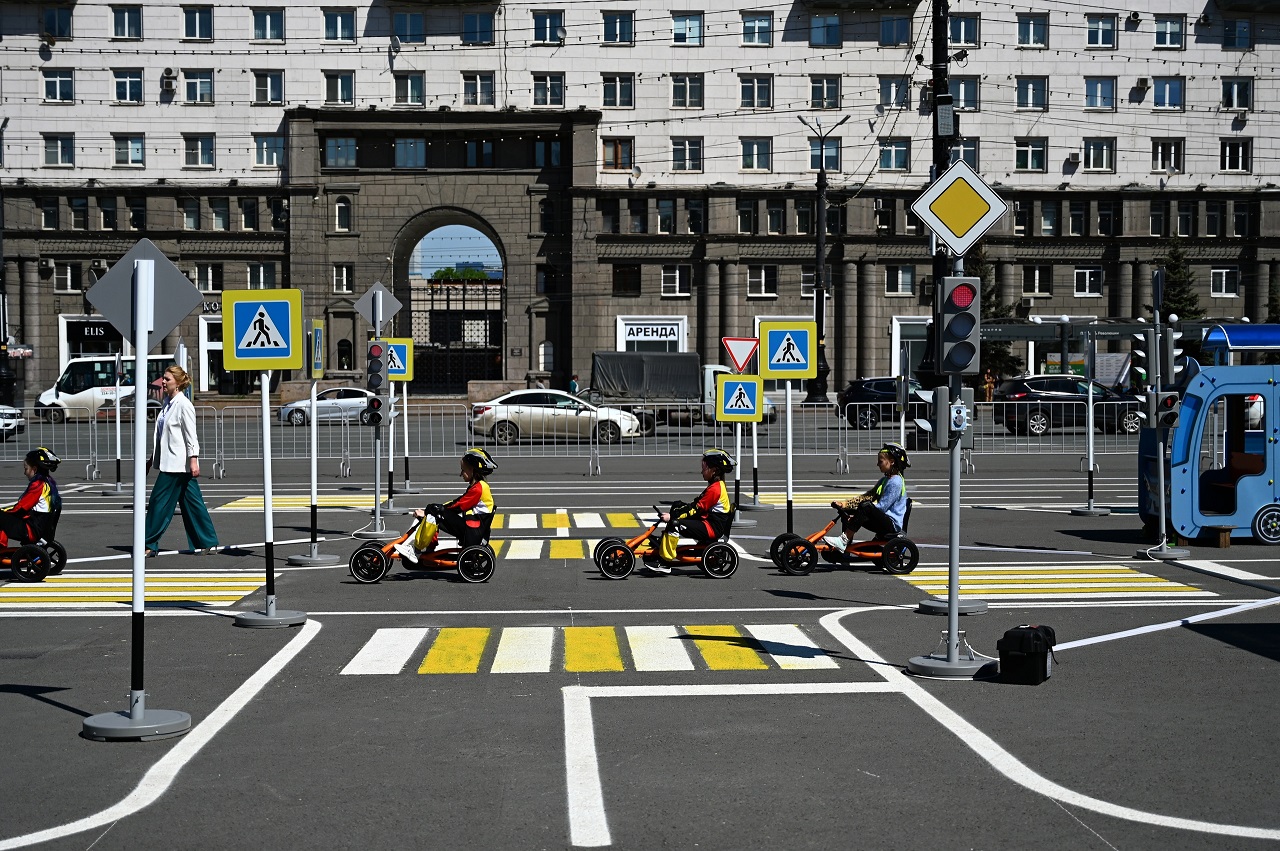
[
  {"x": 881, "y": 508},
  {"x": 705, "y": 519},
  {"x": 28, "y": 519},
  {"x": 461, "y": 518}
]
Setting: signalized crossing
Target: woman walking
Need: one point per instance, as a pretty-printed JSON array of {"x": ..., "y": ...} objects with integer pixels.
[{"x": 176, "y": 457}]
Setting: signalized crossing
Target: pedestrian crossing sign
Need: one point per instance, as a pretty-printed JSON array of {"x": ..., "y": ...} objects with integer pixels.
[
  {"x": 399, "y": 358},
  {"x": 738, "y": 398},
  {"x": 262, "y": 330},
  {"x": 790, "y": 349}
]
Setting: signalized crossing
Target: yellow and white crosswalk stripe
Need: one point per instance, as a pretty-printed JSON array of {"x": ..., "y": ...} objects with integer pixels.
[
  {"x": 1111, "y": 580},
  {"x": 591, "y": 649},
  {"x": 102, "y": 590},
  {"x": 823, "y": 498}
]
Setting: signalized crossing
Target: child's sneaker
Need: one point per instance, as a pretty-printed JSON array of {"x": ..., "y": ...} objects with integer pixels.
[
  {"x": 406, "y": 551},
  {"x": 653, "y": 563}
]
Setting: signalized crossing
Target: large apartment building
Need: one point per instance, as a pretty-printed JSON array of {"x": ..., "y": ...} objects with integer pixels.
[{"x": 643, "y": 171}]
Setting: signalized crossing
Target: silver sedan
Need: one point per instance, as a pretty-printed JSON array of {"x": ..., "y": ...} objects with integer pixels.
[
  {"x": 332, "y": 405},
  {"x": 550, "y": 414}
]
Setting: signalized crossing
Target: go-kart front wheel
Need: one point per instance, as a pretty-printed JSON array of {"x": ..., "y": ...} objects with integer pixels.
[
  {"x": 476, "y": 563},
  {"x": 30, "y": 563},
  {"x": 57, "y": 556},
  {"x": 607, "y": 542},
  {"x": 719, "y": 560},
  {"x": 368, "y": 564},
  {"x": 775, "y": 549},
  {"x": 798, "y": 557},
  {"x": 615, "y": 561},
  {"x": 901, "y": 555}
]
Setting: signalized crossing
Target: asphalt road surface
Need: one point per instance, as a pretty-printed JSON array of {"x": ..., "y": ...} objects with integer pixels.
[{"x": 552, "y": 708}]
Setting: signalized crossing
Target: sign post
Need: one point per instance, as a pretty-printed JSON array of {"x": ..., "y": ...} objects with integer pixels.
[
  {"x": 790, "y": 352},
  {"x": 317, "y": 352},
  {"x": 741, "y": 350},
  {"x": 119, "y": 489},
  {"x": 400, "y": 368},
  {"x": 377, "y": 306}
]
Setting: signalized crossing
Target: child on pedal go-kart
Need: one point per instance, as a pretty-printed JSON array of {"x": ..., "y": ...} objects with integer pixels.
[
  {"x": 460, "y": 518},
  {"x": 26, "y": 520},
  {"x": 881, "y": 508},
  {"x": 705, "y": 519}
]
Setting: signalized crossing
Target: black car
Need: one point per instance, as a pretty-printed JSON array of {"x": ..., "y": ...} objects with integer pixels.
[
  {"x": 867, "y": 402},
  {"x": 1034, "y": 404}
]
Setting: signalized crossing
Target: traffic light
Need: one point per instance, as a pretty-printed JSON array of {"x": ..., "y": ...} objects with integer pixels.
[
  {"x": 1143, "y": 366},
  {"x": 958, "y": 324},
  {"x": 375, "y": 377},
  {"x": 373, "y": 410},
  {"x": 1170, "y": 354},
  {"x": 1167, "y": 407}
]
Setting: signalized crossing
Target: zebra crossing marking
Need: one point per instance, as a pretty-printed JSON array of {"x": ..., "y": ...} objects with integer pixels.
[
  {"x": 1014, "y": 581},
  {"x": 387, "y": 655},
  {"x": 101, "y": 590},
  {"x": 567, "y": 548},
  {"x": 524, "y": 650},
  {"x": 657, "y": 648},
  {"x": 456, "y": 650}
]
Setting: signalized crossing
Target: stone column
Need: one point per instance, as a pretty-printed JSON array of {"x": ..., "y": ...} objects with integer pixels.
[
  {"x": 845, "y": 290},
  {"x": 1255, "y": 297},
  {"x": 1141, "y": 290},
  {"x": 709, "y": 313},
  {"x": 44, "y": 358},
  {"x": 866, "y": 298},
  {"x": 1007, "y": 290},
  {"x": 1124, "y": 288},
  {"x": 730, "y": 301}
]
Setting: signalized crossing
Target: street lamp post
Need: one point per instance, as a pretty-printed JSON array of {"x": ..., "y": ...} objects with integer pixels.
[{"x": 817, "y": 387}]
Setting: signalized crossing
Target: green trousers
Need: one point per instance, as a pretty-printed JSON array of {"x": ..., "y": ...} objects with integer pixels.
[{"x": 179, "y": 489}]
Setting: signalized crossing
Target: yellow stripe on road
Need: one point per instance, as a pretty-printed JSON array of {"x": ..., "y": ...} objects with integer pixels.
[
  {"x": 591, "y": 648},
  {"x": 623, "y": 521},
  {"x": 1053, "y": 581},
  {"x": 724, "y": 648},
  {"x": 109, "y": 589},
  {"x": 568, "y": 548},
  {"x": 555, "y": 521},
  {"x": 456, "y": 650}
]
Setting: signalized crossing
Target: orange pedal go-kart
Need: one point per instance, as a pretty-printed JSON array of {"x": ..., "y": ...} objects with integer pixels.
[
  {"x": 32, "y": 562},
  {"x": 371, "y": 561},
  {"x": 798, "y": 555},
  {"x": 616, "y": 558}
]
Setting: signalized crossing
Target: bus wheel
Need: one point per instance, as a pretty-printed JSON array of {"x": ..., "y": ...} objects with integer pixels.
[{"x": 1266, "y": 525}]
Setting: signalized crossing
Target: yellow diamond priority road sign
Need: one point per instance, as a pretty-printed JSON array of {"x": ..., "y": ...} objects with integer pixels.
[{"x": 959, "y": 207}]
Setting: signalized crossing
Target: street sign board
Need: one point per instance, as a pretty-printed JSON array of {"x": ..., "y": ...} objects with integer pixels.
[
  {"x": 262, "y": 329},
  {"x": 738, "y": 398},
  {"x": 399, "y": 358},
  {"x": 316, "y": 348},
  {"x": 959, "y": 207},
  {"x": 740, "y": 350},
  {"x": 175, "y": 295},
  {"x": 790, "y": 349},
  {"x": 390, "y": 305}
]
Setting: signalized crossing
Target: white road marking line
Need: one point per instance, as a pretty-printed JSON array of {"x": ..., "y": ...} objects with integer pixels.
[
  {"x": 1156, "y": 627},
  {"x": 524, "y": 650},
  {"x": 588, "y": 520},
  {"x": 658, "y": 648},
  {"x": 790, "y": 647},
  {"x": 524, "y": 549},
  {"x": 522, "y": 521},
  {"x": 1221, "y": 569},
  {"x": 386, "y": 652}
]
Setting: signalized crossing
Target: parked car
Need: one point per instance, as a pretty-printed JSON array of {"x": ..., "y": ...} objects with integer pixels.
[
  {"x": 549, "y": 414},
  {"x": 867, "y": 402},
  {"x": 1034, "y": 404},
  {"x": 332, "y": 405},
  {"x": 12, "y": 423}
]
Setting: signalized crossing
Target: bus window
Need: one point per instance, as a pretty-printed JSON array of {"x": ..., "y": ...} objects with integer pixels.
[
  {"x": 1242, "y": 454},
  {"x": 77, "y": 378}
]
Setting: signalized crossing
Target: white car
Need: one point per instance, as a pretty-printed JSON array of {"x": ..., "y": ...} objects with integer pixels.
[
  {"x": 12, "y": 423},
  {"x": 550, "y": 414},
  {"x": 332, "y": 405}
]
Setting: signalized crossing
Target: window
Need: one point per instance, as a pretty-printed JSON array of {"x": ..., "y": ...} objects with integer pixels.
[
  {"x": 1158, "y": 220},
  {"x": 757, "y": 29},
  {"x": 340, "y": 88},
  {"x": 1225, "y": 283},
  {"x": 248, "y": 213},
  {"x": 885, "y": 210},
  {"x": 268, "y": 24},
  {"x": 477, "y": 89},
  {"x": 626, "y": 279},
  {"x": 344, "y": 276},
  {"x": 79, "y": 213},
  {"x": 410, "y": 89},
  {"x": 1166, "y": 155},
  {"x": 1215, "y": 214},
  {"x": 261, "y": 276},
  {"x": 686, "y": 91},
  {"x": 618, "y": 90},
  {"x": 126, "y": 22},
  {"x": 60, "y": 149},
  {"x": 686, "y": 29},
  {"x": 677, "y": 280},
  {"x": 131, "y": 150},
  {"x": 666, "y": 215},
  {"x": 340, "y": 25},
  {"x": 1100, "y": 93},
  {"x": 695, "y": 210},
  {"x": 804, "y": 217},
  {"x": 191, "y": 214},
  {"x": 1031, "y": 155},
  {"x": 279, "y": 215},
  {"x": 762, "y": 281},
  {"x": 137, "y": 212},
  {"x": 198, "y": 150},
  {"x": 619, "y": 28},
  {"x": 197, "y": 22},
  {"x": 899, "y": 280},
  {"x": 268, "y": 150},
  {"x": 479, "y": 153},
  {"x": 1242, "y": 219},
  {"x": 545, "y": 26},
  {"x": 835, "y": 219},
  {"x": 1110, "y": 218},
  {"x": 56, "y": 22},
  {"x": 66, "y": 277},
  {"x": 1186, "y": 223},
  {"x": 1076, "y": 217},
  {"x": 824, "y": 92},
  {"x": 340, "y": 152},
  {"x": 776, "y": 217},
  {"x": 895, "y": 31},
  {"x": 1169, "y": 32},
  {"x": 209, "y": 277},
  {"x": 964, "y": 93},
  {"x": 477, "y": 28},
  {"x": 59, "y": 86},
  {"x": 756, "y": 154},
  {"x": 128, "y": 85},
  {"x": 824, "y": 154},
  {"x": 219, "y": 214},
  {"x": 895, "y": 92},
  {"x": 807, "y": 283},
  {"x": 617, "y": 154},
  {"x": 757, "y": 91},
  {"x": 1100, "y": 154},
  {"x": 964, "y": 31},
  {"x": 686, "y": 153},
  {"x": 1049, "y": 218},
  {"x": 1237, "y": 92},
  {"x": 199, "y": 86},
  {"x": 1236, "y": 155},
  {"x": 895, "y": 154},
  {"x": 342, "y": 214},
  {"x": 411, "y": 153},
  {"x": 548, "y": 89},
  {"x": 107, "y": 214},
  {"x": 1168, "y": 92},
  {"x": 1102, "y": 31},
  {"x": 409, "y": 27},
  {"x": 1236, "y": 34},
  {"x": 966, "y": 150},
  {"x": 49, "y": 213},
  {"x": 610, "y": 216},
  {"x": 1037, "y": 281},
  {"x": 546, "y": 152},
  {"x": 1088, "y": 280},
  {"x": 1033, "y": 31},
  {"x": 1033, "y": 93},
  {"x": 268, "y": 88},
  {"x": 748, "y": 216}
]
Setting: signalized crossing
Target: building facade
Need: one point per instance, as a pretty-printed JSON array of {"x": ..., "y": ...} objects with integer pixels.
[{"x": 643, "y": 173}]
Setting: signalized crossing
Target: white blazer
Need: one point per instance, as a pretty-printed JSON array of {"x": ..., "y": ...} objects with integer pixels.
[{"x": 175, "y": 440}]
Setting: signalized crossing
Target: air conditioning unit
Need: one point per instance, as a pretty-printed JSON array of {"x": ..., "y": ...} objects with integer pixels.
[
  {"x": 1204, "y": 20},
  {"x": 168, "y": 80},
  {"x": 1074, "y": 157},
  {"x": 1028, "y": 301},
  {"x": 46, "y": 264},
  {"x": 1135, "y": 17},
  {"x": 1144, "y": 83},
  {"x": 98, "y": 263},
  {"x": 1017, "y": 206}
]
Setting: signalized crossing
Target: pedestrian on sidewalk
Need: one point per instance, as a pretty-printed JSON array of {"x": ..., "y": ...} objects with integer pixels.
[{"x": 176, "y": 457}]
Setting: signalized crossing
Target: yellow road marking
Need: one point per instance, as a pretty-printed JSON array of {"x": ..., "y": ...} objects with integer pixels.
[
  {"x": 568, "y": 548},
  {"x": 623, "y": 521},
  {"x": 591, "y": 648},
  {"x": 499, "y": 521},
  {"x": 726, "y": 655},
  {"x": 456, "y": 650},
  {"x": 555, "y": 521}
]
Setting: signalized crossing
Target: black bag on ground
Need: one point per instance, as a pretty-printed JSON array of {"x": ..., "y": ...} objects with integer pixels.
[{"x": 1026, "y": 654}]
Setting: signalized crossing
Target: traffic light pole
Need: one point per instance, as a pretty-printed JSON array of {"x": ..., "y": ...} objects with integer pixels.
[{"x": 1162, "y": 551}]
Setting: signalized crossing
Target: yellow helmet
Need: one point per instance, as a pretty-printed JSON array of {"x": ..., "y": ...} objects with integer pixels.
[
  {"x": 718, "y": 460},
  {"x": 482, "y": 459}
]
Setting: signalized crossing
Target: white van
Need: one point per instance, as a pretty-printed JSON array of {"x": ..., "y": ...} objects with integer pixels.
[{"x": 89, "y": 384}]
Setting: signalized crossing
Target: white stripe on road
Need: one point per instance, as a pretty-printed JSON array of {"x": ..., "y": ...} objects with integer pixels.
[
  {"x": 658, "y": 648},
  {"x": 1222, "y": 569},
  {"x": 524, "y": 650},
  {"x": 386, "y": 652},
  {"x": 588, "y": 520},
  {"x": 790, "y": 647},
  {"x": 522, "y": 521},
  {"x": 523, "y": 549}
]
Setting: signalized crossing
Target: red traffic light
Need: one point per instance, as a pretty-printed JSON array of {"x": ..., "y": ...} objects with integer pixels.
[
  {"x": 375, "y": 403},
  {"x": 375, "y": 350},
  {"x": 1168, "y": 401},
  {"x": 963, "y": 295}
]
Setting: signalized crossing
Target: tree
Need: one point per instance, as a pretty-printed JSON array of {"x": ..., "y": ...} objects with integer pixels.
[
  {"x": 1180, "y": 296},
  {"x": 996, "y": 355},
  {"x": 451, "y": 274}
]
